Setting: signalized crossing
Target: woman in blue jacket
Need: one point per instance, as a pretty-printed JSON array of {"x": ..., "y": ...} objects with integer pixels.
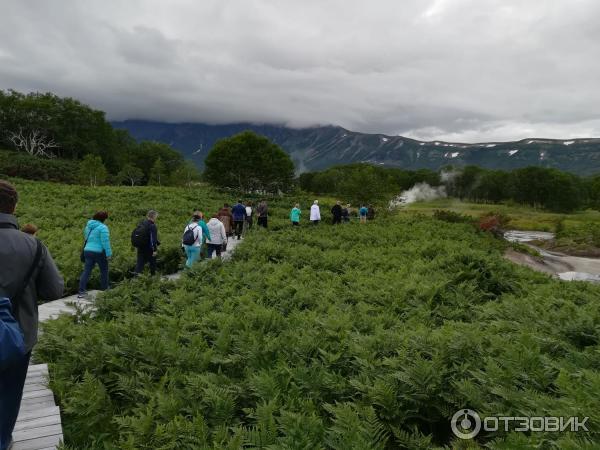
[{"x": 96, "y": 250}]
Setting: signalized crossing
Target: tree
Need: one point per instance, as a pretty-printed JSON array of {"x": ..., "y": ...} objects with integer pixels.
[
  {"x": 92, "y": 170},
  {"x": 147, "y": 153},
  {"x": 158, "y": 173},
  {"x": 185, "y": 175},
  {"x": 130, "y": 174},
  {"x": 249, "y": 162}
]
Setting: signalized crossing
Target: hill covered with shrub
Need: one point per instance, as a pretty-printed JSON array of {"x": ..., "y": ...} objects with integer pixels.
[{"x": 51, "y": 136}]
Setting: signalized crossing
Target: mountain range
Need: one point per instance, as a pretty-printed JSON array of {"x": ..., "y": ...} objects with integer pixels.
[{"x": 317, "y": 148}]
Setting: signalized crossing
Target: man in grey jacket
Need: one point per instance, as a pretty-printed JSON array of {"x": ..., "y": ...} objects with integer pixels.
[{"x": 18, "y": 252}]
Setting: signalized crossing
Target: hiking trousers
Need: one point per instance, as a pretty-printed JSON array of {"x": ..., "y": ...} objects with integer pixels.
[
  {"x": 239, "y": 227},
  {"x": 193, "y": 254},
  {"x": 12, "y": 381},
  {"x": 145, "y": 257},
  {"x": 91, "y": 259}
]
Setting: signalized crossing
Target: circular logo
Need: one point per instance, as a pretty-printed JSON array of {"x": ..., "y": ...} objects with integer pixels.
[{"x": 466, "y": 424}]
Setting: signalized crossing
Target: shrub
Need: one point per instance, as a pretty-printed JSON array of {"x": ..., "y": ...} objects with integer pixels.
[{"x": 21, "y": 165}]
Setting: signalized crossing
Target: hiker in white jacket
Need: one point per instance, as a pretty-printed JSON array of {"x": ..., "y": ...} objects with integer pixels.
[
  {"x": 218, "y": 236},
  {"x": 315, "y": 213}
]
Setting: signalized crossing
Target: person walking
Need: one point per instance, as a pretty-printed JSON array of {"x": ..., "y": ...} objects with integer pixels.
[
  {"x": 362, "y": 214},
  {"x": 346, "y": 213},
  {"x": 147, "y": 243},
  {"x": 249, "y": 215},
  {"x": 205, "y": 234},
  {"x": 295, "y": 214},
  {"x": 315, "y": 213},
  {"x": 239, "y": 216},
  {"x": 336, "y": 211},
  {"x": 263, "y": 214},
  {"x": 370, "y": 213},
  {"x": 28, "y": 275},
  {"x": 224, "y": 215},
  {"x": 192, "y": 241},
  {"x": 218, "y": 236},
  {"x": 96, "y": 250}
]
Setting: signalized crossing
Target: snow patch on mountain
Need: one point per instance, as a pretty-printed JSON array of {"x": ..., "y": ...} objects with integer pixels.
[
  {"x": 568, "y": 142},
  {"x": 512, "y": 152}
]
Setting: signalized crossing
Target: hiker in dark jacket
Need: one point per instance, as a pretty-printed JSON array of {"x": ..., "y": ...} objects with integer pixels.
[
  {"x": 336, "y": 211},
  {"x": 18, "y": 254},
  {"x": 346, "y": 213},
  {"x": 146, "y": 254},
  {"x": 370, "y": 213},
  {"x": 239, "y": 215},
  {"x": 263, "y": 214}
]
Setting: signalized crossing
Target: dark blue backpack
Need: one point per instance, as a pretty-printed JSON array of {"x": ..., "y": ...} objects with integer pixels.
[{"x": 12, "y": 344}]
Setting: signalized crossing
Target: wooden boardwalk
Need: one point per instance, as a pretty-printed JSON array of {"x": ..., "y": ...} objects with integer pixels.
[{"x": 39, "y": 425}]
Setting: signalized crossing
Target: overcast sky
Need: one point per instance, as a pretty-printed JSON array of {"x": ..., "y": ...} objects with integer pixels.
[{"x": 464, "y": 70}]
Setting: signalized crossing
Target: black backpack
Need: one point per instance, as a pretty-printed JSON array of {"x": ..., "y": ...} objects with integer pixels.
[
  {"x": 140, "y": 237},
  {"x": 188, "y": 236}
]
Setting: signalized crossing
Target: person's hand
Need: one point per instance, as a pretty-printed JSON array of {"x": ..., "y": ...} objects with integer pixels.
[{"x": 154, "y": 253}]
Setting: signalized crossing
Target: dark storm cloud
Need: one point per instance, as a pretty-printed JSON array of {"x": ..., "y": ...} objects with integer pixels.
[{"x": 434, "y": 69}]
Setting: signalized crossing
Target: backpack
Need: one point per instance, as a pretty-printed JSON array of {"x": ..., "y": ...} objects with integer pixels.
[
  {"x": 12, "y": 344},
  {"x": 140, "y": 236},
  {"x": 189, "y": 238}
]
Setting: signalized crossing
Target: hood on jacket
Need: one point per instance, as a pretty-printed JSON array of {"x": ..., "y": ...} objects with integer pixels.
[{"x": 93, "y": 224}]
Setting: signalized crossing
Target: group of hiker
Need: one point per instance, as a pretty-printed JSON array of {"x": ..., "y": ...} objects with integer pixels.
[
  {"x": 201, "y": 239},
  {"x": 340, "y": 214}
]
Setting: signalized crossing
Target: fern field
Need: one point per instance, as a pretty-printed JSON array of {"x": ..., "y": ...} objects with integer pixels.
[{"x": 353, "y": 337}]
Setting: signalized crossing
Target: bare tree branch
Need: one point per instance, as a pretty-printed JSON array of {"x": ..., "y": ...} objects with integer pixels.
[{"x": 34, "y": 143}]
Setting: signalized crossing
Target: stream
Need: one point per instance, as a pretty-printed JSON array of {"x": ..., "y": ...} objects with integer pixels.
[{"x": 566, "y": 267}]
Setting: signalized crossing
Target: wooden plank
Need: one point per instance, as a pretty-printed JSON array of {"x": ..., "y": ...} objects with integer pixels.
[
  {"x": 36, "y": 414},
  {"x": 37, "y": 394},
  {"x": 39, "y": 422},
  {"x": 36, "y": 444},
  {"x": 39, "y": 432},
  {"x": 37, "y": 374},
  {"x": 29, "y": 407},
  {"x": 37, "y": 368},
  {"x": 31, "y": 387},
  {"x": 37, "y": 380},
  {"x": 45, "y": 396}
]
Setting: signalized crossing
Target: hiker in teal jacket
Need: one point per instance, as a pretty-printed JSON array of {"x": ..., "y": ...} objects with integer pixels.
[
  {"x": 97, "y": 250},
  {"x": 205, "y": 234},
  {"x": 295, "y": 214}
]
